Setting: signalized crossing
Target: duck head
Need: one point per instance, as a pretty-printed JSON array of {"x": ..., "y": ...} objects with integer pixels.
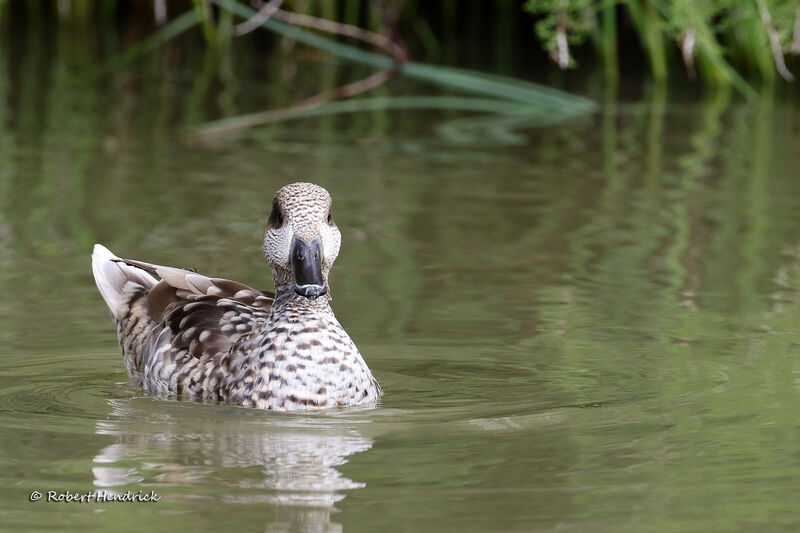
[{"x": 301, "y": 241}]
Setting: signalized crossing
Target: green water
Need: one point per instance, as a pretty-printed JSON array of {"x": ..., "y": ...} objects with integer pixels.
[{"x": 589, "y": 326}]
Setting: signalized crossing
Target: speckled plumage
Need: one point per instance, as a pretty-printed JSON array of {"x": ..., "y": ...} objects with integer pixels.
[{"x": 219, "y": 340}]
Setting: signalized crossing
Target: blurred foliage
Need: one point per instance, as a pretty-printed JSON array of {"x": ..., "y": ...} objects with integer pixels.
[
  {"x": 721, "y": 42},
  {"x": 571, "y": 20},
  {"x": 712, "y": 33}
]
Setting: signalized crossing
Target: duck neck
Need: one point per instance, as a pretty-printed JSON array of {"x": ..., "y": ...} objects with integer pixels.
[
  {"x": 284, "y": 281},
  {"x": 286, "y": 298}
]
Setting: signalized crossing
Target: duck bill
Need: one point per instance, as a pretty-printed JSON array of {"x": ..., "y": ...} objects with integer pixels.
[{"x": 307, "y": 265}]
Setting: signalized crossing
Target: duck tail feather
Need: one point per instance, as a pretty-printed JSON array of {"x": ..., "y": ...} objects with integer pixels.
[{"x": 113, "y": 276}]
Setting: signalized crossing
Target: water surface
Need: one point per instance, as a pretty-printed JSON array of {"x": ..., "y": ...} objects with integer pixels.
[{"x": 588, "y": 326}]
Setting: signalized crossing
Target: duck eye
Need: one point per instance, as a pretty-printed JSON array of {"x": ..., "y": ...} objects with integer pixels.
[
  {"x": 330, "y": 219},
  {"x": 276, "y": 217}
]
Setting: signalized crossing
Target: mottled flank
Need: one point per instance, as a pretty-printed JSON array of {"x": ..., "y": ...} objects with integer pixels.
[{"x": 219, "y": 340}]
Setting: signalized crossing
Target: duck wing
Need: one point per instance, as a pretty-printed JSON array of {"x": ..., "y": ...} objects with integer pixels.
[{"x": 201, "y": 315}]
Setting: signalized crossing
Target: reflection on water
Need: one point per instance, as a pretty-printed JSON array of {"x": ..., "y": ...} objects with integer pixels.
[{"x": 290, "y": 462}]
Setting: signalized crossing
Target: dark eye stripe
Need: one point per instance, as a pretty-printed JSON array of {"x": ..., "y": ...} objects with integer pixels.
[{"x": 276, "y": 217}]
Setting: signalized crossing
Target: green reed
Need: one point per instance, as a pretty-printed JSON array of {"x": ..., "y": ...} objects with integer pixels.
[
  {"x": 721, "y": 42},
  {"x": 738, "y": 43}
]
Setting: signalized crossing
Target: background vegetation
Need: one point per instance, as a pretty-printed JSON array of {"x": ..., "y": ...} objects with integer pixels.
[{"x": 741, "y": 43}]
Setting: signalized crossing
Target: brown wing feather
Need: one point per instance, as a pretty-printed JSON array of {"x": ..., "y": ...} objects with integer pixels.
[
  {"x": 210, "y": 324},
  {"x": 206, "y": 315}
]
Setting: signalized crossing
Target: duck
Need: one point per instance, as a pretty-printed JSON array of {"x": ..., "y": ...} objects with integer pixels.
[{"x": 188, "y": 335}]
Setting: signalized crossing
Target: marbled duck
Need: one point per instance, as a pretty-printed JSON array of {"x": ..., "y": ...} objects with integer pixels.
[{"x": 219, "y": 340}]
